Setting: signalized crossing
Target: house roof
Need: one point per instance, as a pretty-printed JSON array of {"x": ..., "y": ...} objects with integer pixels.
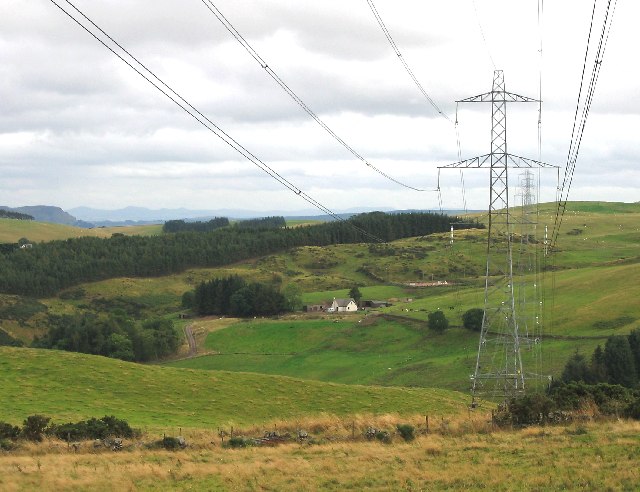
[{"x": 344, "y": 302}]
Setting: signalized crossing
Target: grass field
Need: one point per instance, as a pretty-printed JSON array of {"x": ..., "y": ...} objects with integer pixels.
[
  {"x": 594, "y": 457},
  {"x": 333, "y": 375},
  {"x": 354, "y": 350},
  {"x": 69, "y": 386},
  {"x": 12, "y": 230},
  {"x": 590, "y": 296}
]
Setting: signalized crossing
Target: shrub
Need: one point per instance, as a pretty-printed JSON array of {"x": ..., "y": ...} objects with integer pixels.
[
  {"x": 383, "y": 436},
  {"x": 8, "y": 431},
  {"x": 172, "y": 443},
  {"x": 237, "y": 442},
  {"x": 437, "y": 321},
  {"x": 633, "y": 409},
  {"x": 69, "y": 432},
  {"x": 34, "y": 427},
  {"x": 117, "y": 427},
  {"x": 472, "y": 319},
  {"x": 7, "y": 445},
  {"x": 107, "y": 426},
  {"x": 406, "y": 431},
  {"x": 531, "y": 409}
]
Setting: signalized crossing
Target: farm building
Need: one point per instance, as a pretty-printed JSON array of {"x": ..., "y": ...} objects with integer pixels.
[
  {"x": 315, "y": 308},
  {"x": 343, "y": 306}
]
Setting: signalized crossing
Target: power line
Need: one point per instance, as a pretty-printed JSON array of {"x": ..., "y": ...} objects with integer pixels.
[
  {"x": 584, "y": 102},
  {"x": 254, "y": 54},
  {"x": 177, "y": 99},
  {"x": 484, "y": 39},
  {"x": 404, "y": 63},
  {"x": 429, "y": 99},
  {"x": 464, "y": 195}
]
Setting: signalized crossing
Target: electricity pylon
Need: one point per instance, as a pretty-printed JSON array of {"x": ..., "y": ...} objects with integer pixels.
[{"x": 499, "y": 372}]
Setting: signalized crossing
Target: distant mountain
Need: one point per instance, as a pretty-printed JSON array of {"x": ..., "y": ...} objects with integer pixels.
[
  {"x": 141, "y": 214},
  {"x": 45, "y": 213},
  {"x": 87, "y": 217}
]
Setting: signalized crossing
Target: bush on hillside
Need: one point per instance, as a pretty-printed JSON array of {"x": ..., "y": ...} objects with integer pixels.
[
  {"x": 406, "y": 431},
  {"x": 238, "y": 442},
  {"x": 172, "y": 443},
  {"x": 8, "y": 431},
  {"x": 437, "y": 321},
  {"x": 7, "y": 445},
  {"x": 34, "y": 426},
  {"x": 107, "y": 426},
  {"x": 533, "y": 409},
  {"x": 472, "y": 319}
]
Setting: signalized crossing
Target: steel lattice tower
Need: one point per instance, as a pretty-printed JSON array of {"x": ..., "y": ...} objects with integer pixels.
[{"x": 499, "y": 371}]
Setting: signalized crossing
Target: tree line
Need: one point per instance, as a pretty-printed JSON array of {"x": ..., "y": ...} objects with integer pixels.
[
  {"x": 8, "y": 214},
  {"x": 112, "y": 335},
  {"x": 263, "y": 223},
  {"x": 196, "y": 226},
  {"x": 47, "y": 268},
  {"x": 236, "y": 297},
  {"x": 618, "y": 363}
]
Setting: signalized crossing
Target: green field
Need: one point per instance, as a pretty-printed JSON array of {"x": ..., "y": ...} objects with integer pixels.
[
  {"x": 71, "y": 386},
  {"x": 333, "y": 374},
  {"x": 355, "y": 350},
  {"x": 590, "y": 294},
  {"x": 12, "y": 230}
]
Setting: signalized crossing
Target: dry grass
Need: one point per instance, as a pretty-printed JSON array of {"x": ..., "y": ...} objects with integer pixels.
[{"x": 596, "y": 456}]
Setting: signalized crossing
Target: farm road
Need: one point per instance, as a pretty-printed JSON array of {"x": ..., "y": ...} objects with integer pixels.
[{"x": 188, "y": 333}]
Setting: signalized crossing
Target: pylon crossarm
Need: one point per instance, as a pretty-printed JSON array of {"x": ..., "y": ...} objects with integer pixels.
[
  {"x": 513, "y": 161},
  {"x": 478, "y": 162},
  {"x": 498, "y": 96},
  {"x": 517, "y": 161}
]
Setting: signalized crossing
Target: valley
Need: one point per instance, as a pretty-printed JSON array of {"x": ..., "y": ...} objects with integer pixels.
[{"x": 378, "y": 366}]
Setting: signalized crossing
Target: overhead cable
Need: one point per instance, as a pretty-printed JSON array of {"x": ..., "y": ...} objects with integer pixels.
[
  {"x": 484, "y": 39},
  {"x": 254, "y": 54},
  {"x": 429, "y": 99},
  {"x": 118, "y": 50},
  {"x": 402, "y": 60},
  {"x": 583, "y": 102}
]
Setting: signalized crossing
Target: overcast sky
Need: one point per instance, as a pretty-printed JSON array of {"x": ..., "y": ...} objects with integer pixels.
[{"x": 79, "y": 127}]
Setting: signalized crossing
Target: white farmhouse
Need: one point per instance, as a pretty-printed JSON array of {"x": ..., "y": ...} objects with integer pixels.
[{"x": 343, "y": 306}]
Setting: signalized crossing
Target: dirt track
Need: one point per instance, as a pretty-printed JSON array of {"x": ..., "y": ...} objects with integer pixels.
[{"x": 188, "y": 333}]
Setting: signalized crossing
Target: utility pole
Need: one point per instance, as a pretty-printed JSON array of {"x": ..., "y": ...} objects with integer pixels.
[{"x": 499, "y": 372}]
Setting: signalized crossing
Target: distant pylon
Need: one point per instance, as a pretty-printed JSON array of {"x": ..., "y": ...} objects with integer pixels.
[{"x": 499, "y": 371}]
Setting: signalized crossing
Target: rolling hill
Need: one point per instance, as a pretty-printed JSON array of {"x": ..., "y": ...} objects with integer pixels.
[
  {"x": 77, "y": 386},
  {"x": 12, "y": 230},
  {"x": 590, "y": 294}
]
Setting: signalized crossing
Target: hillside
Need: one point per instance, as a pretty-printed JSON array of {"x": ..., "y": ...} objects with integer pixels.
[
  {"x": 590, "y": 294},
  {"x": 45, "y": 213},
  {"x": 77, "y": 386},
  {"x": 13, "y": 230}
]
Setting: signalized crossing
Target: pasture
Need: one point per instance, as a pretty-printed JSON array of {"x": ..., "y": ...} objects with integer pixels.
[
  {"x": 71, "y": 386},
  {"x": 461, "y": 456}
]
